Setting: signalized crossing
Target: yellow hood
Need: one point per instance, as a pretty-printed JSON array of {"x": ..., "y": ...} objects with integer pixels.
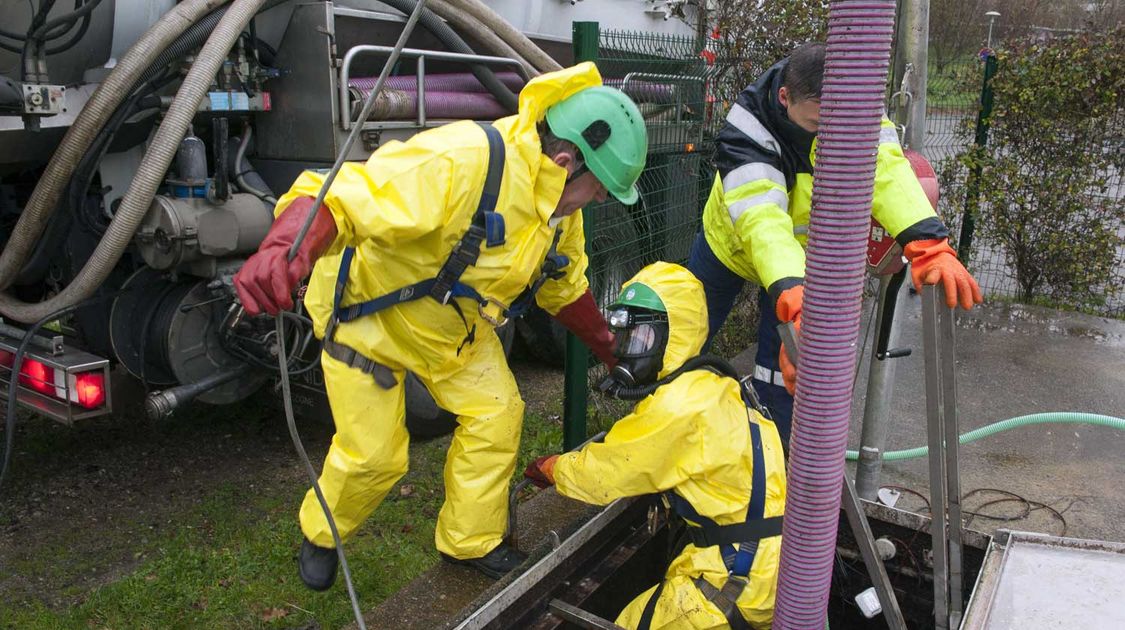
[
  {"x": 547, "y": 89},
  {"x": 684, "y": 299}
]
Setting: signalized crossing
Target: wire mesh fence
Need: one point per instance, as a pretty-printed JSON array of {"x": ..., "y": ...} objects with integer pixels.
[
  {"x": 995, "y": 252},
  {"x": 678, "y": 87}
]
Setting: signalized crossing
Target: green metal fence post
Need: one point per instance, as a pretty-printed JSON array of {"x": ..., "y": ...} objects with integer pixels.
[
  {"x": 575, "y": 387},
  {"x": 972, "y": 185}
]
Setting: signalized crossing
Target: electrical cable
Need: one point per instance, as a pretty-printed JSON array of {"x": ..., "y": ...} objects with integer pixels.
[
  {"x": 1054, "y": 417},
  {"x": 17, "y": 365},
  {"x": 282, "y": 361}
]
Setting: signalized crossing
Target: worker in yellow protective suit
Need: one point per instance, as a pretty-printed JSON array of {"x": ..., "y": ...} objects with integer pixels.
[
  {"x": 419, "y": 253},
  {"x": 694, "y": 438}
]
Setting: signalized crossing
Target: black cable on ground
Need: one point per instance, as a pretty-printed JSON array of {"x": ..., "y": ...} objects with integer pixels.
[{"x": 17, "y": 364}]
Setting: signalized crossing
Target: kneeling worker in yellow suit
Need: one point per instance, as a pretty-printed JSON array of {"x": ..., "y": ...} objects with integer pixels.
[
  {"x": 419, "y": 253},
  {"x": 694, "y": 437}
]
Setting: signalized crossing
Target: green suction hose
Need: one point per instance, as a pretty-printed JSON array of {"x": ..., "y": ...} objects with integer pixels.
[{"x": 1057, "y": 417}]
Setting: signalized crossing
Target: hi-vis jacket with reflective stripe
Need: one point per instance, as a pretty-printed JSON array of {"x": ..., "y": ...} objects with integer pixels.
[
  {"x": 408, "y": 205},
  {"x": 756, "y": 219}
]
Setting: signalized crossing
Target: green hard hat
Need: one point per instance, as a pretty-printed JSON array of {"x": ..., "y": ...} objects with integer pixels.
[
  {"x": 640, "y": 295},
  {"x": 609, "y": 130}
]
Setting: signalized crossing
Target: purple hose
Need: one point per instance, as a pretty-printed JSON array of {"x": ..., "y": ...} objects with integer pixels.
[
  {"x": 399, "y": 105},
  {"x": 859, "y": 45},
  {"x": 447, "y": 82}
]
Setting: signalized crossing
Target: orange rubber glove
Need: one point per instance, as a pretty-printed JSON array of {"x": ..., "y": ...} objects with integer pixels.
[
  {"x": 933, "y": 261},
  {"x": 788, "y": 309},
  {"x": 268, "y": 278},
  {"x": 583, "y": 318},
  {"x": 541, "y": 472}
]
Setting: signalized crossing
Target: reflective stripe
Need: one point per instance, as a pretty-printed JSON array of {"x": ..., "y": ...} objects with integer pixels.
[
  {"x": 751, "y": 173},
  {"x": 772, "y": 195},
  {"x": 888, "y": 135},
  {"x": 747, "y": 123},
  {"x": 764, "y": 374},
  {"x": 801, "y": 229}
]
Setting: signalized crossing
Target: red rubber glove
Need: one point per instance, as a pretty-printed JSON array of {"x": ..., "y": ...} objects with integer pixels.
[
  {"x": 933, "y": 261},
  {"x": 541, "y": 472},
  {"x": 788, "y": 309},
  {"x": 583, "y": 318},
  {"x": 267, "y": 280}
]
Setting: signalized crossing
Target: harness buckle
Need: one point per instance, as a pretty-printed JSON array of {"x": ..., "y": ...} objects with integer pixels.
[
  {"x": 751, "y": 395},
  {"x": 502, "y": 311}
]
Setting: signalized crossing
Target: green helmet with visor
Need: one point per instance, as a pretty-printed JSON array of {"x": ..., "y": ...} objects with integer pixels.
[{"x": 639, "y": 321}]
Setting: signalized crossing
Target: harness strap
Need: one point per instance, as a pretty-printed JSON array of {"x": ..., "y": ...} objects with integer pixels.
[
  {"x": 352, "y": 358},
  {"x": 487, "y": 227},
  {"x": 645, "y": 621},
  {"x": 551, "y": 269},
  {"x": 726, "y": 599},
  {"x": 708, "y": 536},
  {"x": 746, "y": 534}
]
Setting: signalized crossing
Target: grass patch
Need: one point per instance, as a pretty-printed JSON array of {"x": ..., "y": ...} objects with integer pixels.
[{"x": 229, "y": 560}]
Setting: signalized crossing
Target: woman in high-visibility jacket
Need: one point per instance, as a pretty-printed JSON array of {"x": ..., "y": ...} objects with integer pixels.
[
  {"x": 756, "y": 220},
  {"x": 719, "y": 463},
  {"x": 466, "y": 216}
]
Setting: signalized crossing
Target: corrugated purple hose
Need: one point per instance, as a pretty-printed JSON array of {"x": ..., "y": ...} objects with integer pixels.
[
  {"x": 444, "y": 82},
  {"x": 859, "y": 45},
  {"x": 400, "y": 105}
]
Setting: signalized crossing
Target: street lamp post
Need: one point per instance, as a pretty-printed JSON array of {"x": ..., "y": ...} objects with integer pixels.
[{"x": 992, "y": 15}]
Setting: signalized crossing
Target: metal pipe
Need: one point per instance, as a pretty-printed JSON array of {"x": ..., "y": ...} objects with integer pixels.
[
  {"x": 346, "y": 66},
  {"x": 916, "y": 42},
  {"x": 855, "y": 76},
  {"x": 880, "y": 385}
]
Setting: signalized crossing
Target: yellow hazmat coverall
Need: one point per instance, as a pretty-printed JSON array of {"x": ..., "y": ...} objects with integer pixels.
[
  {"x": 691, "y": 436},
  {"x": 403, "y": 211}
]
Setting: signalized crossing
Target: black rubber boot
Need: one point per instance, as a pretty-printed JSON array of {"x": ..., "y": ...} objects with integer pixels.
[
  {"x": 317, "y": 566},
  {"x": 495, "y": 564}
]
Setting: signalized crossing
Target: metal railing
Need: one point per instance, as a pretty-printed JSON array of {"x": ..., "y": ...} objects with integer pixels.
[{"x": 344, "y": 77}]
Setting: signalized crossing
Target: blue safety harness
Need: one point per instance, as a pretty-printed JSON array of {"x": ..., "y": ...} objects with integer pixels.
[
  {"x": 487, "y": 227},
  {"x": 705, "y": 532}
]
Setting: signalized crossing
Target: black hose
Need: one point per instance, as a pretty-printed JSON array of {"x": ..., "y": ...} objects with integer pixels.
[
  {"x": 62, "y": 29},
  {"x": 74, "y": 39},
  {"x": 69, "y": 19},
  {"x": 454, "y": 43},
  {"x": 29, "y": 49},
  {"x": 612, "y": 387},
  {"x": 17, "y": 365}
]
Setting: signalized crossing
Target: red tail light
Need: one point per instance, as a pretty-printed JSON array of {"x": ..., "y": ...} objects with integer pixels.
[
  {"x": 88, "y": 389},
  {"x": 38, "y": 377}
]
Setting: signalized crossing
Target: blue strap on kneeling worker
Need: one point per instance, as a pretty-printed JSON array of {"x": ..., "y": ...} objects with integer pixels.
[{"x": 705, "y": 532}]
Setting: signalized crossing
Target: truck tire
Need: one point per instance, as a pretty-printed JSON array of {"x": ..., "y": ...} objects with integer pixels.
[{"x": 424, "y": 419}]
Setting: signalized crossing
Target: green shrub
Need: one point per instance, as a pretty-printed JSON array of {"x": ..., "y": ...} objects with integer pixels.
[{"x": 1047, "y": 172}]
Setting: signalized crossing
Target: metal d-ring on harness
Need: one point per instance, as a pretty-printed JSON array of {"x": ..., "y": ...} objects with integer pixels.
[
  {"x": 487, "y": 227},
  {"x": 705, "y": 532}
]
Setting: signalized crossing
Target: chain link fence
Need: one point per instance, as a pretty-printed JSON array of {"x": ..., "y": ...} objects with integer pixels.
[
  {"x": 956, "y": 95},
  {"x": 674, "y": 85}
]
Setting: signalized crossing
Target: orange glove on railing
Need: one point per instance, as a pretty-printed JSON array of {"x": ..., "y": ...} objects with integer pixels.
[
  {"x": 541, "y": 472},
  {"x": 933, "y": 261},
  {"x": 788, "y": 309},
  {"x": 267, "y": 279},
  {"x": 583, "y": 318}
]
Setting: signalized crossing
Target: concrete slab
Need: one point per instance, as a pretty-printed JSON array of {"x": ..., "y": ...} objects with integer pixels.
[{"x": 1014, "y": 360}]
